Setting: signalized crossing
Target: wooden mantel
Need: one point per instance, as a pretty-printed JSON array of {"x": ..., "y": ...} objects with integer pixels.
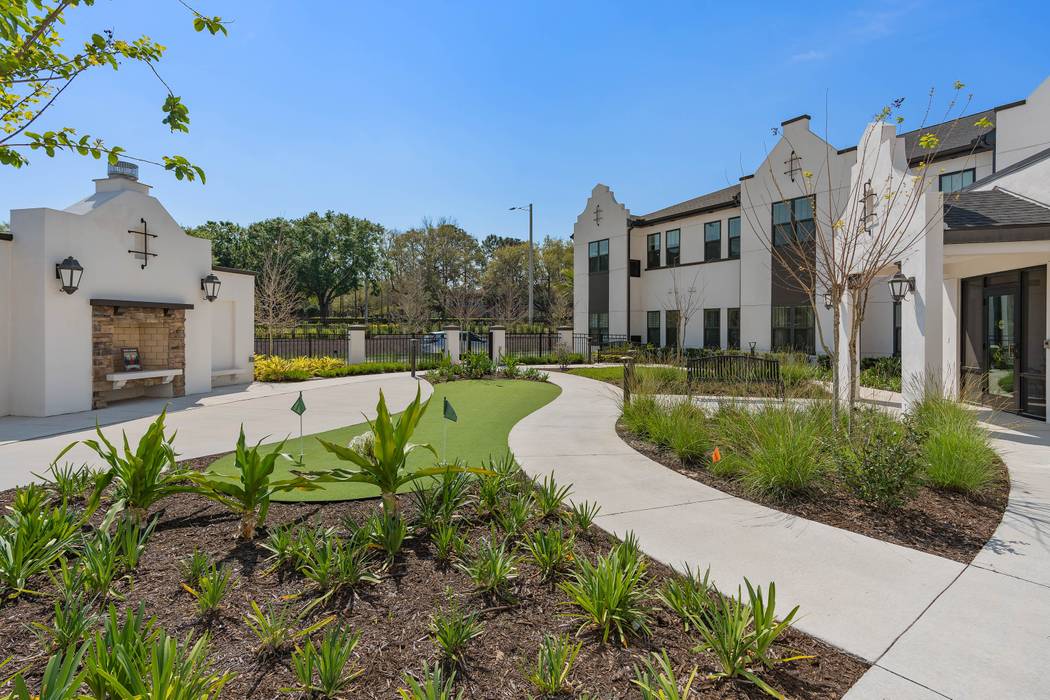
[{"x": 125, "y": 304}]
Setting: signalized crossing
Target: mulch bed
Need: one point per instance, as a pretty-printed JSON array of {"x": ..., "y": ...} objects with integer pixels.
[
  {"x": 393, "y": 617},
  {"x": 952, "y": 525}
]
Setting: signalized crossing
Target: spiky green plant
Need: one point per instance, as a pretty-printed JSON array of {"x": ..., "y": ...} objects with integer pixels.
[
  {"x": 60, "y": 681},
  {"x": 130, "y": 540},
  {"x": 512, "y": 515},
  {"x": 492, "y": 568},
  {"x": 278, "y": 626},
  {"x": 551, "y": 551},
  {"x": 335, "y": 565},
  {"x": 610, "y": 595},
  {"x": 687, "y": 595},
  {"x": 554, "y": 660},
  {"x": 550, "y": 497},
  {"x": 388, "y": 532},
  {"x": 581, "y": 515},
  {"x": 326, "y": 670},
  {"x": 452, "y": 630},
  {"x": 448, "y": 542},
  {"x": 656, "y": 679},
  {"x": 33, "y": 538},
  {"x": 211, "y": 588},
  {"x": 74, "y": 619},
  {"x": 433, "y": 684},
  {"x": 194, "y": 566}
]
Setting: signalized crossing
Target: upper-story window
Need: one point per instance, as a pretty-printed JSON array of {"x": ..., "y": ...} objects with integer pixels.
[
  {"x": 793, "y": 220},
  {"x": 734, "y": 237},
  {"x": 953, "y": 182},
  {"x": 673, "y": 251},
  {"x": 713, "y": 240},
  {"x": 652, "y": 250},
  {"x": 598, "y": 255}
]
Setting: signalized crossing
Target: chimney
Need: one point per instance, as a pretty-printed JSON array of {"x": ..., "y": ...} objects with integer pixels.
[{"x": 121, "y": 175}]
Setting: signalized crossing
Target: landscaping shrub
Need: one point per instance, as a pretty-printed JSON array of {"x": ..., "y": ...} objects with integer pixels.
[
  {"x": 955, "y": 451},
  {"x": 687, "y": 595},
  {"x": 298, "y": 369},
  {"x": 879, "y": 462},
  {"x": 492, "y": 569},
  {"x": 550, "y": 674},
  {"x": 278, "y": 626},
  {"x": 32, "y": 539},
  {"x": 551, "y": 551},
  {"x": 550, "y": 496},
  {"x": 611, "y": 595},
  {"x": 433, "y": 685},
  {"x": 329, "y": 663},
  {"x": 881, "y": 373},
  {"x": 656, "y": 679},
  {"x": 452, "y": 630},
  {"x": 581, "y": 515}
]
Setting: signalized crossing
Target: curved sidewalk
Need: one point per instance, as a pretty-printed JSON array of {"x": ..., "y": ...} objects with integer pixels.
[
  {"x": 932, "y": 627},
  {"x": 206, "y": 423}
]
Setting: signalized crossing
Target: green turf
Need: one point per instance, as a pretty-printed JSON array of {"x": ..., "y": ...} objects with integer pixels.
[
  {"x": 487, "y": 410},
  {"x": 614, "y": 374}
]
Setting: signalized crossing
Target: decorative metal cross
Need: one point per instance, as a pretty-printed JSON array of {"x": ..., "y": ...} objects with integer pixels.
[
  {"x": 794, "y": 165},
  {"x": 598, "y": 215},
  {"x": 146, "y": 235}
]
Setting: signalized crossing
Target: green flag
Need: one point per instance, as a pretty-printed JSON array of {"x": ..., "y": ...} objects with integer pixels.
[
  {"x": 299, "y": 407},
  {"x": 449, "y": 412}
]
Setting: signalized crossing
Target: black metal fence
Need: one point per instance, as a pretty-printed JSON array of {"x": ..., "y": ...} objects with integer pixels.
[
  {"x": 593, "y": 345},
  {"x": 297, "y": 342},
  {"x": 473, "y": 342},
  {"x": 534, "y": 344},
  {"x": 399, "y": 347}
]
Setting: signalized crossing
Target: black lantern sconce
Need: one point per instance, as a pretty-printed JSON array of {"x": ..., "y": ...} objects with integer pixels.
[
  {"x": 69, "y": 272},
  {"x": 828, "y": 302},
  {"x": 210, "y": 286},
  {"x": 901, "y": 286}
]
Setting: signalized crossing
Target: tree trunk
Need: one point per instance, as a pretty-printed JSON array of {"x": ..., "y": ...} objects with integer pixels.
[
  {"x": 836, "y": 378},
  {"x": 248, "y": 526},
  {"x": 323, "y": 307},
  {"x": 390, "y": 504}
]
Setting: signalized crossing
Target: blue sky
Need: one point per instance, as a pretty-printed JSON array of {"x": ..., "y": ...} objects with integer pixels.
[{"x": 396, "y": 111}]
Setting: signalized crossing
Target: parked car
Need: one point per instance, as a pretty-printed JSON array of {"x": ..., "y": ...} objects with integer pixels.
[{"x": 434, "y": 343}]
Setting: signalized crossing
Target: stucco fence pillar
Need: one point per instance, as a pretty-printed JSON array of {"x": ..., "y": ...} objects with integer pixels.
[
  {"x": 497, "y": 342},
  {"x": 452, "y": 343},
  {"x": 565, "y": 339},
  {"x": 355, "y": 339}
]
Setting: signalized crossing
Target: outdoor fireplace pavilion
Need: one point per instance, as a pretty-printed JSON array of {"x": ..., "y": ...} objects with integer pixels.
[{"x": 109, "y": 299}]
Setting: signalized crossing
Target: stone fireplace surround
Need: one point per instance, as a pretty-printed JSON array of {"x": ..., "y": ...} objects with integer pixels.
[{"x": 158, "y": 331}]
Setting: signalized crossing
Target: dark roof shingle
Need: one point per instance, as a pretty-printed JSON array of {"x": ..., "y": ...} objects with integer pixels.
[
  {"x": 724, "y": 197},
  {"x": 956, "y": 135},
  {"x": 990, "y": 209}
]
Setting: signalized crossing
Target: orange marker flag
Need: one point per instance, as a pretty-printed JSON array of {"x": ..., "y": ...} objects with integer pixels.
[{"x": 716, "y": 456}]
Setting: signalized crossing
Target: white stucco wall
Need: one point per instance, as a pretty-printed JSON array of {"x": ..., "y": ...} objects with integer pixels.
[
  {"x": 233, "y": 328},
  {"x": 1032, "y": 182},
  {"x": 612, "y": 225},
  {"x": 51, "y": 366},
  {"x": 1023, "y": 130},
  {"x": 5, "y": 327},
  {"x": 983, "y": 164}
]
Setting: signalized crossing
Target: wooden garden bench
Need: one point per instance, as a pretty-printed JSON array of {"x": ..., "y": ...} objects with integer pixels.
[{"x": 736, "y": 369}]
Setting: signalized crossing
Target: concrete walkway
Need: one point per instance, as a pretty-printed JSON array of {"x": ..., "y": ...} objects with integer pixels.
[
  {"x": 207, "y": 423},
  {"x": 931, "y": 627}
]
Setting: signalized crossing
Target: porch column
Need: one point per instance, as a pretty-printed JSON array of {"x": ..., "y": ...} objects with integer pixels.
[
  {"x": 950, "y": 332},
  {"x": 452, "y": 343},
  {"x": 499, "y": 342},
  {"x": 922, "y": 324},
  {"x": 845, "y": 320},
  {"x": 355, "y": 336},
  {"x": 1046, "y": 341}
]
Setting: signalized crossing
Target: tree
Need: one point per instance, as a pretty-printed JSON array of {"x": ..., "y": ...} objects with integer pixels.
[
  {"x": 232, "y": 245},
  {"x": 34, "y": 74},
  {"x": 861, "y": 237},
  {"x": 277, "y": 301},
  {"x": 685, "y": 299},
  {"x": 506, "y": 282},
  {"x": 333, "y": 254},
  {"x": 491, "y": 243},
  {"x": 555, "y": 280}
]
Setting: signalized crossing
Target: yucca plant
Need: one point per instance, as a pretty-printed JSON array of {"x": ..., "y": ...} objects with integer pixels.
[
  {"x": 383, "y": 465},
  {"x": 145, "y": 475},
  {"x": 448, "y": 542},
  {"x": 249, "y": 496},
  {"x": 492, "y": 568},
  {"x": 452, "y": 630},
  {"x": 610, "y": 595},
  {"x": 687, "y": 595},
  {"x": 32, "y": 538},
  {"x": 326, "y": 670},
  {"x": 550, "y": 674},
  {"x": 433, "y": 684},
  {"x": 581, "y": 515},
  {"x": 210, "y": 589},
  {"x": 551, "y": 550},
  {"x": 277, "y": 626},
  {"x": 73, "y": 621},
  {"x": 61, "y": 680},
  {"x": 550, "y": 497},
  {"x": 130, "y": 540},
  {"x": 388, "y": 532},
  {"x": 656, "y": 679}
]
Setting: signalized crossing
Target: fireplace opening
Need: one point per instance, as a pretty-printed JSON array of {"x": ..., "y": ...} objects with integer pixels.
[{"x": 136, "y": 352}]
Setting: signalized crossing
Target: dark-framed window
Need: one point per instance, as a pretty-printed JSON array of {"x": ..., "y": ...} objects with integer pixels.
[
  {"x": 671, "y": 331},
  {"x": 598, "y": 255},
  {"x": 896, "y": 329},
  {"x": 598, "y": 324},
  {"x": 793, "y": 220},
  {"x": 793, "y": 329},
  {"x": 652, "y": 250},
  {"x": 652, "y": 328},
  {"x": 734, "y": 237},
  {"x": 953, "y": 182},
  {"x": 673, "y": 250},
  {"x": 733, "y": 328},
  {"x": 713, "y": 240},
  {"x": 712, "y": 328}
]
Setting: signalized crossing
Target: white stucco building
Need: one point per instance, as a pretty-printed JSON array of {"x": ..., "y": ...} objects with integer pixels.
[
  {"x": 979, "y": 307},
  {"x": 140, "y": 299}
]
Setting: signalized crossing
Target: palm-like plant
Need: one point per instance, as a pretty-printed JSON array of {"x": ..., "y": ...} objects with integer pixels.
[
  {"x": 142, "y": 476},
  {"x": 250, "y": 495},
  {"x": 383, "y": 462}
]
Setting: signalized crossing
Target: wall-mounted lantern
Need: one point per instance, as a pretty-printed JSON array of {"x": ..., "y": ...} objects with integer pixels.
[
  {"x": 828, "y": 302},
  {"x": 69, "y": 272},
  {"x": 210, "y": 286},
  {"x": 901, "y": 286}
]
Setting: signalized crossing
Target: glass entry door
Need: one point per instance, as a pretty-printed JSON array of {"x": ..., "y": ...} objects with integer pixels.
[{"x": 1000, "y": 345}]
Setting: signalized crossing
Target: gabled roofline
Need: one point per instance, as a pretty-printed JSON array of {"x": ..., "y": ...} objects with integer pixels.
[
  {"x": 234, "y": 270},
  {"x": 795, "y": 119},
  {"x": 642, "y": 222}
]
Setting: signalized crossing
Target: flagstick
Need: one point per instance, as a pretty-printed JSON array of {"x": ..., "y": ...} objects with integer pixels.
[
  {"x": 444, "y": 442},
  {"x": 301, "y": 462}
]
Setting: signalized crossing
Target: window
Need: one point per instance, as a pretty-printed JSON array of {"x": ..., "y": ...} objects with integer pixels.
[
  {"x": 733, "y": 328},
  {"x": 652, "y": 250},
  {"x": 896, "y": 329},
  {"x": 672, "y": 329},
  {"x": 953, "y": 182},
  {"x": 598, "y": 255},
  {"x": 652, "y": 328},
  {"x": 713, "y": 240},
  {"x": 793, "y": 220},
  {"x": 599, "y": 324},
  {"x": 734, "y": 237},
  {"x": 793, "y": 329},
  {"x": 712, "y": 328},
  {"x": 673, "y": 254}
]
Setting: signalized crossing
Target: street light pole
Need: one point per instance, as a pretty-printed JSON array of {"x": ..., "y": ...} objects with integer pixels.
[{"x": 531, "y": 281}]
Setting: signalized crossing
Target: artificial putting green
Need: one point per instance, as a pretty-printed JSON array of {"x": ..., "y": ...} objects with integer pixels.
[{"x": 487, "y": 409}]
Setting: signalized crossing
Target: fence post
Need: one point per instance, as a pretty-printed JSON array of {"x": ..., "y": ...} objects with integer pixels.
[
  {"x": 565, "y": 338},
  {"x": 498, "y": 342},
  {"x": 452, "y": 343},
  {"x": 413, "y": 354},
  {"x": 355, "y": 353},
  {"x": 628, "y": 378}
]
